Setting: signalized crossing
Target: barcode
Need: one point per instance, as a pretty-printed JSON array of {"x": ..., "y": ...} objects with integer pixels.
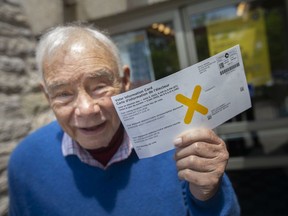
[{"x": 229, "y": 69}]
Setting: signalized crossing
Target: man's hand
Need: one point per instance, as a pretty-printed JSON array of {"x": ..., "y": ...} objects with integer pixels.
[{"x": 201, "y": 158}]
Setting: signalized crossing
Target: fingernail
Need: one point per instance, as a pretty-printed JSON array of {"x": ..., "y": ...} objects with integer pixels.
[{"x": 178, "y": 141}]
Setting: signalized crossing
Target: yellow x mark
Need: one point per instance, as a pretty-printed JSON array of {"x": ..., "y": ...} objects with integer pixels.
[{"x": 192, "y": 104}]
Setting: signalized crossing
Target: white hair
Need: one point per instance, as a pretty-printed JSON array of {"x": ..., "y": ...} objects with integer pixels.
[{"x": 57, "y": 37}]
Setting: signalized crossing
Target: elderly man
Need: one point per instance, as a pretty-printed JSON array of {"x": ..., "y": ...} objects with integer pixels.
[{"x": 84, "y": 164}]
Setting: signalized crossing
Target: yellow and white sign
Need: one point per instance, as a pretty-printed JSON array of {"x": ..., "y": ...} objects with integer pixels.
[
  {"x": 248, "y": 31},
  {"x": 203, "y": 95}
]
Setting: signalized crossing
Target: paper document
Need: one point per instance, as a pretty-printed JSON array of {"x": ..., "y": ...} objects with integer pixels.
[{"x": 203, "y": 95}]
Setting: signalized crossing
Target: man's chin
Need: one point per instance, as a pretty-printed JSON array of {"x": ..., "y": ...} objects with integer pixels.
[{"x": 90, "y": 145}]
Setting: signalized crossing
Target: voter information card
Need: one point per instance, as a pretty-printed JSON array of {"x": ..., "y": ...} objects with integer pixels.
[{"x": 203, "y": 95}]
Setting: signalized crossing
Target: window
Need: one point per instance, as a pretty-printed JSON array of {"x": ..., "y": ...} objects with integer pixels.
[
  {"x": 260, "y": 29},
  {"x": 151, "y": 52}
]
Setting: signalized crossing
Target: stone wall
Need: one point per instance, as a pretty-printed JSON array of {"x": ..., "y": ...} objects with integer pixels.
[{"x": 22, "y": 106}]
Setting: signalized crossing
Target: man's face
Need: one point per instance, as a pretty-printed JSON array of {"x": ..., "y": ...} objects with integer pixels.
[{"x": 80, "y": 81}]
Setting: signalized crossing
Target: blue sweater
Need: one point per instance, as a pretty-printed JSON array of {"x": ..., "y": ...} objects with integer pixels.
[{"x": 44, "y": 182}]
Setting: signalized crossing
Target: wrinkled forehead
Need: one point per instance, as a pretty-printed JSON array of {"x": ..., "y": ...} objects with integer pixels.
[
  {"x": 80, "y": 51},
  {"x": 82, "y": 45},
  {"x": 79, "y": 59}
]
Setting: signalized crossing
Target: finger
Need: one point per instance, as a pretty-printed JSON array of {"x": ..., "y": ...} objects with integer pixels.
[
  {"x": 201, "y": 179},
  {"x": 196, "y": 163},
  {"x": 196, "y": 135},
  {"x": 201, "y": 149}
]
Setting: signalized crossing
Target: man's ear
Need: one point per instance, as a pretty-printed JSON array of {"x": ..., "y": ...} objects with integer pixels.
[
  {"x": 42, "y": 86},
  {"x": 126, "y": 78}
]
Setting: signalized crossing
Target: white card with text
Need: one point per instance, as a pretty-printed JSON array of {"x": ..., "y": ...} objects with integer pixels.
[{"x": 203, "y": 95}]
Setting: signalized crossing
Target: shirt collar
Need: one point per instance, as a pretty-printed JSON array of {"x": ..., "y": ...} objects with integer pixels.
[{"x": 70, "y": 147}]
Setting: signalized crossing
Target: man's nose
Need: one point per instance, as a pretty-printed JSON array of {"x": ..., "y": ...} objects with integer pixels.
[{"x": 86, "y": 105}]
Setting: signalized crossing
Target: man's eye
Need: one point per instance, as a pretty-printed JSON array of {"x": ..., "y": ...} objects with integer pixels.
[
  {"x": 101, "y": 91},
  {"x": 99, "y": 88},
  {"x": 63, "y": 95}
]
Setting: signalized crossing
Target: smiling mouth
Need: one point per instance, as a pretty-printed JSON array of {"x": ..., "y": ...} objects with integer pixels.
[{"x": 92, "y": 129}]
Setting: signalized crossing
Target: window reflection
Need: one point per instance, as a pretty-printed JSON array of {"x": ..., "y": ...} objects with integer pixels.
[{"x": 150, "y": 52}]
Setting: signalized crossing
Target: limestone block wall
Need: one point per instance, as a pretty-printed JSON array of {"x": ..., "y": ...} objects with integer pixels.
[{"x": 22, "y": 106}]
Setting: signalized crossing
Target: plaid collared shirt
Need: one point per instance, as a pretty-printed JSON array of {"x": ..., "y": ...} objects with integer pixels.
[{"x": 70, "y": 147}]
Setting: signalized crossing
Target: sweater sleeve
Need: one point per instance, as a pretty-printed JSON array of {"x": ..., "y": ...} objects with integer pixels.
[{"x": 224, "y": 202}]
